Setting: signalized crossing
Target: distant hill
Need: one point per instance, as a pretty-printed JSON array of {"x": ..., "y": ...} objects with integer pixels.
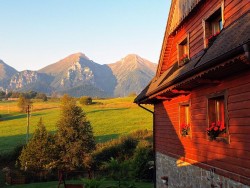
[
  {"x": 77, "y": 75},
  {"x": 85, "y": 90},
  {"x": 133, "y": 73}
]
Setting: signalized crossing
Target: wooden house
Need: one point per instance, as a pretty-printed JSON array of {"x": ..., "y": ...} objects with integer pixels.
[{"x": 201, "y": 96}]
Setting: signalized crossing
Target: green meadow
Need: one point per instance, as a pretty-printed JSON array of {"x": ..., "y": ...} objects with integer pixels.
[{"x": 109, "y": 118}]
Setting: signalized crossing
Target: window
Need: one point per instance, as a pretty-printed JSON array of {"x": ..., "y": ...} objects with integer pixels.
[
  {"x": 212, "y": 27},
  {"x": 185, "y": 119},
  {"x": 217, "y": 121},
  {"x": 183, "y": 51},
  {"x": 216, "y": 110}
]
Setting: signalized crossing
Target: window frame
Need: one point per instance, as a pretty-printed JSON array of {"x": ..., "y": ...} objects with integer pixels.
[
  {"x": 187, "y": 103},
  {"x": 206, "y": 23},
  {"x": 186, "y": 37},
  {"x": 213, "y": 96}
]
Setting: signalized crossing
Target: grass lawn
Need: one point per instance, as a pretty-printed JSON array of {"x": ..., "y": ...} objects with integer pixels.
[
  {"x": 109, "y": 118},
  {"x": 54, "y": 184}
]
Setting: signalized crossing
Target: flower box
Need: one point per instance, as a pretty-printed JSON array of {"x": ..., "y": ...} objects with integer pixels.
[
  {"x": 212, "y": 38},
  {"x": 216, "y": 130},
  {"x": 184, "y": 59},
  {"x": 185, "y": 129}
]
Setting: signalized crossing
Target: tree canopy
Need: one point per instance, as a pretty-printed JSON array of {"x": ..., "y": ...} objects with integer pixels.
[
  {"x": 74, "y": 136},
  {"x": 39, "y": 153}
]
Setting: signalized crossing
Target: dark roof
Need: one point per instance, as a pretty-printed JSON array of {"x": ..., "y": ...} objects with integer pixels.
[{"x": 228, "y": 44}]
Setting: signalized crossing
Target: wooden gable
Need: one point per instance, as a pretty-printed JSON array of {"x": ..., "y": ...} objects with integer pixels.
[{"x": 179, "y": 10}]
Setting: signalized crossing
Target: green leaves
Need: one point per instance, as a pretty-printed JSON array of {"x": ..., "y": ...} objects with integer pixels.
[{"x": 74, "y": 136}]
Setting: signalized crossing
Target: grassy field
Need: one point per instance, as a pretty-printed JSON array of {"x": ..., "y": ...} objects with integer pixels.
[{"x": 109, "y": 118}]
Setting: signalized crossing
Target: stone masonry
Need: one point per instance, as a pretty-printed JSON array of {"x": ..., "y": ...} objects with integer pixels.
[{"x": 184, "y": 175}]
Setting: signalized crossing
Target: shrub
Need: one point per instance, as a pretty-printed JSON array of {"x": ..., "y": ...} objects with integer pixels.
[
  {"x": 85, "y": 100},
  {"x": 141, "y": 163}
]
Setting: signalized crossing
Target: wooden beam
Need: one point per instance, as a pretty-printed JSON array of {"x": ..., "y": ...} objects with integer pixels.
[
  {"x": 162, "y": 98},
  {"x": 181, "y": 92},
  {"x": 208, "y": 81}
]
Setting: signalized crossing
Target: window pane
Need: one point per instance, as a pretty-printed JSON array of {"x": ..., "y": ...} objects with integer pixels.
[
  {"x": 187, "y": 115},
  {"x": 221, "y": 25},
  {"x": 211, "y": 111},
  {"x": 221, "y": 111}
]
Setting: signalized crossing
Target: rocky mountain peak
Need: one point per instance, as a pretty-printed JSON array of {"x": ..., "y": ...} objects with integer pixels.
[
  {"x": 77, "y": 75},
  {"x": 76, "y": 56},
  {"x": 6, "y": 71}
]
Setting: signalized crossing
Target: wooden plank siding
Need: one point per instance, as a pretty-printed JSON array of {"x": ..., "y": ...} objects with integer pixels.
[
  {"x": 233, "y": 9},
  {"x": 233, "y": 157}
]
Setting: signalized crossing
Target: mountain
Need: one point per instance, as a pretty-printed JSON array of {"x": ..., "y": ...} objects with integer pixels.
[
  {"x": 132, "y": 73},
  {"x": 6, "y": 72},
  {"x": 77, "y": 75},
  {"x": 77, "y": 70},
  {"x": 30, "y": 80}
]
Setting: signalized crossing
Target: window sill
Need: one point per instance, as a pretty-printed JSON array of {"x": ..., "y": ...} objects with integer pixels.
[{"x": 224, "y": 138}]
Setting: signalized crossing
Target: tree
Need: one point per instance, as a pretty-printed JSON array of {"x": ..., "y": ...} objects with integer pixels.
[
  {"x": 23, "y": 103},
  {"x": 40, "y": 152},
  {"x": 2, "y": 95},
  {"x": 42, "y": 96},
  {"x": 75, "y": 138},
  {"x": 85, "y": 100}
]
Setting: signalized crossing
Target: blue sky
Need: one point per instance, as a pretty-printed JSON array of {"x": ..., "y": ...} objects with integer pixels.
[{"x": 36, "y": 33}]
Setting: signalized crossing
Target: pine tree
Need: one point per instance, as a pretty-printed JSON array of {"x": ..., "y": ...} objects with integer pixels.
[
  {"x": 74, "y": 136},
  {"x": 39, "y": 153}
]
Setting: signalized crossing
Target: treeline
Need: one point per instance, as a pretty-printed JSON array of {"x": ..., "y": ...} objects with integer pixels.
[{"x": 27, "y": 95}]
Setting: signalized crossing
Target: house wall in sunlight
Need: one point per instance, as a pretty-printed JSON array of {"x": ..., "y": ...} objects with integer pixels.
[
  {"x": 232, "y": 10},
  {"x": 230, "y": 157}
]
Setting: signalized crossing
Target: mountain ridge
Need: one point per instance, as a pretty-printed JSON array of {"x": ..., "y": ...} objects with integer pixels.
[{"x": 76, "y": 74}]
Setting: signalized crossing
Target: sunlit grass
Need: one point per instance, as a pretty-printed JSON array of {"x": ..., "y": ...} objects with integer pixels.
[{"x": 109, "y": 118}]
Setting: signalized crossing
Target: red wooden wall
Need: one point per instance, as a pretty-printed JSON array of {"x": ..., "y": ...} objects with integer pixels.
[
  {"x": 233, "y": 9},
  {"x": 233, "y": 157}
]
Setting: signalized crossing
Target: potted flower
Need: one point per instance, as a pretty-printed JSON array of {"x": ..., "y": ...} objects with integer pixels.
[
  {"x": 215, "y": 130},
  {"x": 185, "y": 129},
  {"x": 212, "y": 38},
  {"x": 184, "y": 59}
]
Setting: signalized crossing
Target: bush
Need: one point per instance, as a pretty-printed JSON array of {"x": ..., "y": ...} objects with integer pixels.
[
  {"x": 85, "y": 100},
  {"x": 141, "y": 163},
  {"x": 42, "y": 96}
]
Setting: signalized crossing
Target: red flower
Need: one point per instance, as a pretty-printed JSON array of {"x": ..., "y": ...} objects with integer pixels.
[
  {"x": 216, "y": 128},
  {"x": 222, "y": 127}
]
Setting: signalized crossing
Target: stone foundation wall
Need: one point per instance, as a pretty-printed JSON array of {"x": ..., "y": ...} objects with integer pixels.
[{"x": 184, "y": 175}]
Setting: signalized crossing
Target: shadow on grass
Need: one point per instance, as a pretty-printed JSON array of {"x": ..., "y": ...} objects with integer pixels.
[
  {"x": 9, "y": 143},
  {"x": 105, "y": 138},
  {"x": 109, "y": 109},
  {"x": 7, "y": 117},
  {"x": 47, "y": 108}
]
